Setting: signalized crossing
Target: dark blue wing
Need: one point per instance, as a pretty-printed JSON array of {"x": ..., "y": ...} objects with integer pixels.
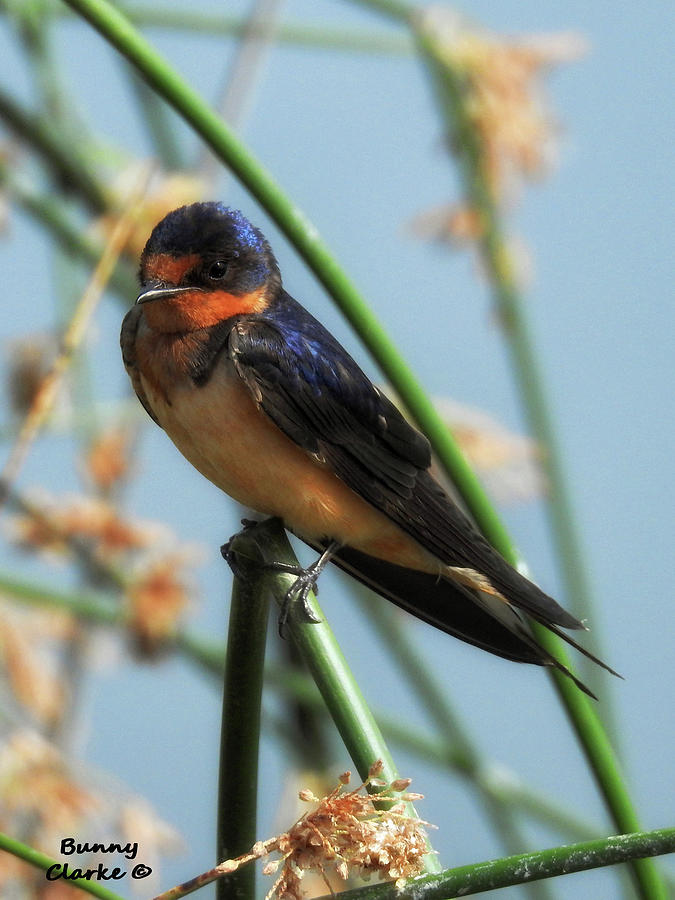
[{"x": 317, "y": 395}]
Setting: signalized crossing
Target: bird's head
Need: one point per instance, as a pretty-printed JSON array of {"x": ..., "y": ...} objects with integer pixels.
[{"x": 204, "y": 263}]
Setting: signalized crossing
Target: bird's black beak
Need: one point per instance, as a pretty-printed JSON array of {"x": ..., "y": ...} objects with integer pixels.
[{"x": 159, "y": 292}]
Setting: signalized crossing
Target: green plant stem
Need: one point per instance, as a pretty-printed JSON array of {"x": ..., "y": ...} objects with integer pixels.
[
  {"x": 466, "y": 755},
  {"x": 454, "y": 100},
  {"x": 44, "y": 862},
  {"x": 155, "y": 117},
  {"x": 267, "y": 543},
  {"x": 240, "y": 730},
  {"x": 68, "y": 172},
  {"x": 397, "y": 10},
  {"x": 48, "y": 212},
  {"x": 313, "y": 37},
  {"x": 586, "y": 723},
  {"x": 209, "y": 655},
  {"x": 525, "y": 867}
]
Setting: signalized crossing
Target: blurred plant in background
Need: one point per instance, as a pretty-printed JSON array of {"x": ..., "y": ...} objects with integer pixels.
[{"x": 138, "y": 579}]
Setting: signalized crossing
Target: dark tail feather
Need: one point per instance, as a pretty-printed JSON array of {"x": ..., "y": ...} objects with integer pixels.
[
  {"x": 453, "y": 609},
  {"x": 441, "y": 603},
  {"x": 587, "y": 653}
]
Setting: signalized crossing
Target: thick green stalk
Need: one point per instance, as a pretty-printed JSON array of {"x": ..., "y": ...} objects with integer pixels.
[
  {"x": 267, "y": 543},
  {"x": 44, "y": 862},
  {"x": 240, "y": 729},
  {"x": 500, "y": 812},
  {"x": 524, "y": 868}
]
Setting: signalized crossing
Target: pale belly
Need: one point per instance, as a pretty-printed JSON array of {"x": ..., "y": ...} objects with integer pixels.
[{"x": 220, "y": 430}]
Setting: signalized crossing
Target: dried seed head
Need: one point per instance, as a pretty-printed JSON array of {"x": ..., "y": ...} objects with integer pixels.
[
  {"x": 346, "y": 835},
  {"x": 502, "y": 80},
  {"x": 401, "y": 784}
]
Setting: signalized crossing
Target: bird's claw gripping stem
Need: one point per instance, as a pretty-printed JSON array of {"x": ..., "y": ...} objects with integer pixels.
[{"x": 305, "y": 580}]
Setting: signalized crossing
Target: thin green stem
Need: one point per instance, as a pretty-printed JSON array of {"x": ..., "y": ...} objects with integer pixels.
[
  {"x": 524, "y": 868},
  {"x": 44, "y": 862},
  {"x": 267, "y": 543},
  {"x": 455, "y": 101},
  {"x": 313, "y": 37},
  {"x": 70, "y": 173},
  {"x": 398, "y": 10},
  {"x": 48, "y": 212},
  {"x": 155, "y": 117},
  {"x": 586, "y": 723},
  {"x": 240, "y": 729}
]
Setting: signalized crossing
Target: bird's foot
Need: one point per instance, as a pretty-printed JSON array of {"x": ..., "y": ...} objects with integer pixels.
[
  {"x": 230, "y": 556},
  {"x": 306, "y": 581}
]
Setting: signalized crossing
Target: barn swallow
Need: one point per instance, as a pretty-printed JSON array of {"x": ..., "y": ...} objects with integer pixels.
[{"x": 267, "y": 405}]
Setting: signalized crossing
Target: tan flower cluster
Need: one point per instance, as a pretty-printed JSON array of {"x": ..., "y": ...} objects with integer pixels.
[
  {"x": 30, "y": 360},
  {"x": 52, "y": 524},
  {"x": 30, "y": 641},
  {"x": 346, "y": 833},
  {"x": 141, "y": 558},
  {"x": 507, "y": 463},
  {"x": 107, "y": 459},
  {"x": 156, "y": 599},
  {"x": 504, "y": 91},
  {"x": 35, "y": 781},
  {"x": 43, "y": 798}
]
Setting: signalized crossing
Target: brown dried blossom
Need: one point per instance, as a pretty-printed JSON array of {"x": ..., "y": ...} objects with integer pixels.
[
  {"x": 107, "y": 458},
  {"x": 30, "y": 359},
  {"x": 448, "y": 224},
  {"x": 42, "y": 792},
  {"x": 507, "y": 463},
  {"x": 35, "y": 782},
  {"x": 50, "y": 523},
  {"x": 156, "y": 599},
  {"x": 504, "y": 97},
  {"x": 28, "y": 641},
  {"x": 345, "y": 834}
]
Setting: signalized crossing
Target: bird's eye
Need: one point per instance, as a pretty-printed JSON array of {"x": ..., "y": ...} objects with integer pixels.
[{"x": 218, "y": 269}]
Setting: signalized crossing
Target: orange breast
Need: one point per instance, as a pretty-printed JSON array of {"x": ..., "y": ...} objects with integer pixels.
[{"x": 222, "y": 432}]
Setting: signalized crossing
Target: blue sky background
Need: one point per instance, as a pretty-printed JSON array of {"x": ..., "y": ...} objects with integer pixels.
[{"x": 355, "y": 140}]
